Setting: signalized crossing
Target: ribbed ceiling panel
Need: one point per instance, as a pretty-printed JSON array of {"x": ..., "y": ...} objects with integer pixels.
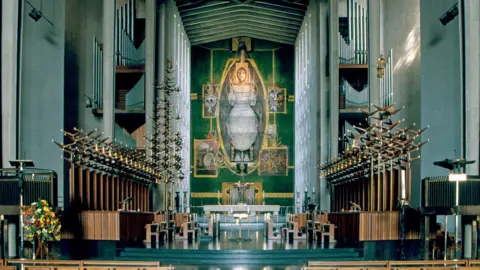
[{"x": 274, "y": 20}]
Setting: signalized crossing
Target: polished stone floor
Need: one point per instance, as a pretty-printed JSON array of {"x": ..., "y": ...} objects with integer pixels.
[
  {"x": 189, "y": 267},
  {"x": 253, "y": 240}
]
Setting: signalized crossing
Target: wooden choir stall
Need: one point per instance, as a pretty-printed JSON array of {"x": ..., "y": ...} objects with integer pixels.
[
  {"x": 109, "y": 197},
  {"x": 370, "y": 182}
]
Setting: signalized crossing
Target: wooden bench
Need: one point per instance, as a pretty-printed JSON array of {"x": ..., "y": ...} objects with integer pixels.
[
  {"x": 323, "y": 228},
  {"x": 187, "y": 224},
  {"x": 390, "y": 265},
  {"x": 269, "y": 226},
  {"x": 295, "y": 223},
  {"x": 82, "y": 265},
  {"x": 158, "y": 229}
]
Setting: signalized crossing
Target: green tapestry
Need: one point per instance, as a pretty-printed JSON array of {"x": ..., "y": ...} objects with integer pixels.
[{"x": 242, "y": 118}]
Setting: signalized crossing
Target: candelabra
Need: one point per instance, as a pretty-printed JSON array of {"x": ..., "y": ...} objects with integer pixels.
[
  {"x": 92, "y": 150},
  {"x": 166, "y": 141},
  {"x": 376, "y": 149}
]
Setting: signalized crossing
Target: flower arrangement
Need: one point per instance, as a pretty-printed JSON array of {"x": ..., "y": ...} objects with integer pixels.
[{"x": 41, "y": 223}]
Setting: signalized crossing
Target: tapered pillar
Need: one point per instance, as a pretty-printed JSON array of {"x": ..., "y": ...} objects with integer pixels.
[
  {"x": 150, "y": 48},
  {"x": 334, "y": 92},
  {"x": 9, "y": 80},
  {"x": 472, "y": 83},
  {"x": 159, "y": 191},
  {"x": 374, "y": 49},
  {"x": 323, "y": 86},
  {"x": 109, "y": 68}
]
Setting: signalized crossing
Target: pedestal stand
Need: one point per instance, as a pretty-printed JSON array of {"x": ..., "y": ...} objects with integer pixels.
[
  {"x": 239, "y": 217},
  {"x": 20, "y": 164}
]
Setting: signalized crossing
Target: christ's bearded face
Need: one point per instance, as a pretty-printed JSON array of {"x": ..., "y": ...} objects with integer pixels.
[{"x": 241, "y": 75}]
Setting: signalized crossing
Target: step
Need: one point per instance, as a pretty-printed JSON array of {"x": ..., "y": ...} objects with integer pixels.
[
  {"x": 236, "y": 261},
  {"x": 239, "y": 255},
  {"x": 243, "y": 251}
]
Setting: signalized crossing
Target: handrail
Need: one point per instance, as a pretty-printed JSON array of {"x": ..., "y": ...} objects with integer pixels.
[
  {"x": 317, "y": 265},
  {"x": 85, "y": 264}
]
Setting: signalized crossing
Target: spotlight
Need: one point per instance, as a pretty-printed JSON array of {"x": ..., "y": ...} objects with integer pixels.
[
  {"x": 449, "y": 15},
  {"x": 35, "y": 15}
]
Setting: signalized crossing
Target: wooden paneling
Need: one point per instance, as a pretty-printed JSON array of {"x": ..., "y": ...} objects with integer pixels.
[
  {"x": 139, "y": 136},
  {"x": 132, "y": 225},
  {"x": 93, "y": 190},
  {"x": 370, "y": 226},
  {"x": 112, "y": 225}
]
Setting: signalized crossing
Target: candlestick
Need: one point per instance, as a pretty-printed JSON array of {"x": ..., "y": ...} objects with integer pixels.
[{"x": 404, "y": 196}]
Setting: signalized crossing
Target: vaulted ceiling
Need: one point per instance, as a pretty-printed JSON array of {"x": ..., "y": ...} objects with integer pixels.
[{"x": 274, "y": 20}]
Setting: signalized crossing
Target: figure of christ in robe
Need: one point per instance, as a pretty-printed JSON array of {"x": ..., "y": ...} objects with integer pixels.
[{"x": 242, "y": 122}]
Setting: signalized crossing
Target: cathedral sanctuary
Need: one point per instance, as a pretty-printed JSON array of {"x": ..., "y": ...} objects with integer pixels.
[{"x": 240, "y": 134}]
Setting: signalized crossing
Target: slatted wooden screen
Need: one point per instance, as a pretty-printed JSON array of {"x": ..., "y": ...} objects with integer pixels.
[
  {"x": 381, "y": 194},
  {"x": 93, "y": 190}
]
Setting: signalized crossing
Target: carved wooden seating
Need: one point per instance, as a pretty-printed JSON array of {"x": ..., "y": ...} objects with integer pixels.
[
  {"x": 213, "y": 225},
  {"x": 269, "y": 227},
  {"x": 323, "y": 228},
  {"x": 158, "y": 229},
  {"x": 187, "y": 224},
  {"x": 295, "y": 223}
]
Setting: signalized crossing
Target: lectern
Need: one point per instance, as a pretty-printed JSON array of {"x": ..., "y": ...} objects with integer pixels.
[{"x": 20, "y": 164}]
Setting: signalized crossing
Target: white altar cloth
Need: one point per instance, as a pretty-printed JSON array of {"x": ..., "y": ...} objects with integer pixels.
[{"x": 243, "y": 208}]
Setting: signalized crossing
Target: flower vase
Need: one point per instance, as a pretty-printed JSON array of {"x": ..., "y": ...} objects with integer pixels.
[{"x": 42, "y": 249}]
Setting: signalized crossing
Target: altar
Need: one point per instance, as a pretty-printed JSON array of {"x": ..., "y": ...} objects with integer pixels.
[{"x": 242, "y": 208}]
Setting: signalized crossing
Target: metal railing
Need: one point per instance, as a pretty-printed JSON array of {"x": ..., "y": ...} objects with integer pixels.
[{"x": 37, "y": 184}]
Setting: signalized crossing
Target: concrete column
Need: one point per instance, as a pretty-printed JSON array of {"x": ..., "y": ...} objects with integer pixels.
[
  {"x": 374, "y": 49},
  {"x": 314, "y": 139},
  {"x": 161, "y": 29},
  {"x": 150, "y": 48},
  {"x": 109, "y": 68},
  {"x": 9, "y": 80},
  {"x": 159, "y": 191},
  {"x": 323, "y": 126},
  {"x": 472, "y": 83},
  {"x": 333, "y": 65},
  {"x": 170, "y": 31}
]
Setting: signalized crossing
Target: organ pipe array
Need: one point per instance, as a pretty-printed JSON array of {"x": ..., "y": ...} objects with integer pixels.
[
  {"x": 354, "y": 98},
  {"x": 353, "y": 48},
  {"x": 380, "y": 147},
  {"x": 126, "y": 52},
  {"x": 97, "y": 73},
  {"x": 385, "y": 75}
]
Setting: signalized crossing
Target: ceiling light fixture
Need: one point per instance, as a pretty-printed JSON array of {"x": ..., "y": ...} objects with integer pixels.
[{"x": 36, "y": 14}]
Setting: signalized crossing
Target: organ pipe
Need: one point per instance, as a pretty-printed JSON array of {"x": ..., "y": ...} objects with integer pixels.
[
  {"x": 97, "y": 73},
  {"x": 127, "y": 54},
  {"x": 353, "y": 48},
  {"x": 386, "y": 82}
]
